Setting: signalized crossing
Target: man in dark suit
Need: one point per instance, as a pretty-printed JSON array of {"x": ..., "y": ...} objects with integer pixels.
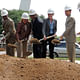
[
  {"x": 49, "y": 29},
  {"x": 36, "y": 25}
]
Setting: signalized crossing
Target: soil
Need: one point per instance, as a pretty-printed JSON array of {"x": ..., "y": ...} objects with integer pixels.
[
  {"x": 12, "y": 68},
  {"x": 2, "y": 49}
]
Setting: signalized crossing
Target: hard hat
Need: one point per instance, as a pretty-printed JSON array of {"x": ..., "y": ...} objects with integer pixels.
[
  {"x": 50, "y": 11},
  {"x": 3, "y": 32},
  {"x": 67, "y": 8},
  {"x": 78, "y": 6},
  {"x": 32, "y": 12},
  {"x": 4, "y": 12},
  {"x": 25, "y": 16}
]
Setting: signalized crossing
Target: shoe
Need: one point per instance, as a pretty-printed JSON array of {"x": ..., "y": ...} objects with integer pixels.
[{"x": 27, "y": 54}]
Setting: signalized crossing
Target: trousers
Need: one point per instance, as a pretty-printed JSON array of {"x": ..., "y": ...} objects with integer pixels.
[{"x": 71, "y": 51}]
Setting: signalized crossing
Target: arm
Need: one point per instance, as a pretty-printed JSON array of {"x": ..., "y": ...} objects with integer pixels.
[
  {"x": 70, "y": 24},
  {"x": 17, "y": 31},
  {"x": 29, "y": 31},
  {"x": 55, "y": 26},
  {"x": 55, "y": 29},
  {"x": 11, "y": 29},
  {"x": 44, "y": 27},
  {"x": 44, "y": 30}
]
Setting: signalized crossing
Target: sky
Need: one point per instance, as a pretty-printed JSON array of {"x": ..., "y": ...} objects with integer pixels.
[{"x": 42, "y": 6}]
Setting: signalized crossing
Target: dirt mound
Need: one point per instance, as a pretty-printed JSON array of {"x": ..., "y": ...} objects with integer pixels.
[
  {"x": 2, "y": 49},
  {"x": 37, "y": 69}
]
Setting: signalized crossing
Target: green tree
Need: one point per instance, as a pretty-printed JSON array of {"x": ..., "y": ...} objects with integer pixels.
[{"x": 42, "y": 16}]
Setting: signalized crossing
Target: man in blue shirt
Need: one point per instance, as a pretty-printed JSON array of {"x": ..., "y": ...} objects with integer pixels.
[{"x": 49, "y": 29}]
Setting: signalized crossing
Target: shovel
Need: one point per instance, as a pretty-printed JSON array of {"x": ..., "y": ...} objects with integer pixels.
[
  {"x": 55, "y": 41},
  {"x": 2, "y": 49},
  {"x": 12, "y": 45},
  {"x": 36, "y": 41}
]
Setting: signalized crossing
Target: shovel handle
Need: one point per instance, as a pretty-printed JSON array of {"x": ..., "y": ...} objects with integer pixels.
[{"x": 46, "y": 38}]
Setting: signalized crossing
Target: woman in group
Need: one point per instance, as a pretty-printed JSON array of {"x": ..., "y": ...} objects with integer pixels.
[{"x": 22, "y": 33}]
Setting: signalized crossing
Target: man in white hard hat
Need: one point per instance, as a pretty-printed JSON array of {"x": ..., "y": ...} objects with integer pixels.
[
  {"x": 49, "y": 29},
  {"x": 22, "y": 33},
  {"x": 9, "y": 30},
  {"x": 69, "y": 34},
  {"x": 36, "y": 23}
]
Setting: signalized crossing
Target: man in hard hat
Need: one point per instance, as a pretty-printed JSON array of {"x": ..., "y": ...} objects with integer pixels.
[
  {"x": 69, "y": 34},
  {"x": 49, "y": 29},
  {"x": 36, "y": 23},
  {"x": 23, "y": 32},
  {"x": 9, "y": 30}
]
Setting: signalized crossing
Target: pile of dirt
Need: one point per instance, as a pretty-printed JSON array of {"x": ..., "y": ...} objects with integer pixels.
[{"x": 37, "y": 69}]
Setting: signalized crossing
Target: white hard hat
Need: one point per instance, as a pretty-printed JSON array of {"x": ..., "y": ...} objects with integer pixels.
[
  {"x": 3, "y": 32},
  {"x": 67, "y": 8},
  {"x": 25, "y": 16},
  {"x": 32, "y": 12},
  {"x": 50, "y": 11},
  {"x": 4, "y": 12}
]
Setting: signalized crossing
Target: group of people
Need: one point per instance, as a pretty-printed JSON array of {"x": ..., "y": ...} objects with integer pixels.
[{"x": 39, "y": 29}]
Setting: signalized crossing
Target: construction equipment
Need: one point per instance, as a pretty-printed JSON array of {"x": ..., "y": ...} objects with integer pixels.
[
  {"x": 36, "y": 41},
  {"x": 50, "y": 11},
  {"x": 2, "y": 49},
  {"x": 4, "y": 12},
  {"x": 67, "y": 8},
  {"x": 15, "y": 46},
  {"x": 32, "y": 12},
  {"x": 12, "y": 45},
  {"x": 55, "y": 41},
  {"x": 25, "y": 16}
]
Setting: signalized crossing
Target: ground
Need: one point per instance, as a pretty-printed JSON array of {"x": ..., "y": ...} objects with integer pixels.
[{"x": 12, "y": 68}]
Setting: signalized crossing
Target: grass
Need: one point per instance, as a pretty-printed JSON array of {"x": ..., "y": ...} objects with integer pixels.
[
  {"x": 66, "y": 58},
  {"x": 78, "y": 39},
  {"x": 58, "y": 58}
]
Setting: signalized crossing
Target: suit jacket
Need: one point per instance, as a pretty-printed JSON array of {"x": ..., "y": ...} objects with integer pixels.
[
  {"x": 37, "y": 25},
  {"x": 69, "y": 33},
  {"x": 9, "y": 28},
  {"x": 46, "y": 27},
  {"x": 21, "y": 33}
]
